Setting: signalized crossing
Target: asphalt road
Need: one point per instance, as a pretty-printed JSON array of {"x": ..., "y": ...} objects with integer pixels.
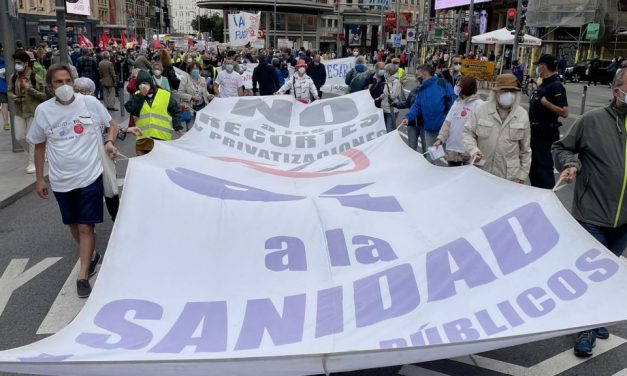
[{"x": 34, "y": 241}]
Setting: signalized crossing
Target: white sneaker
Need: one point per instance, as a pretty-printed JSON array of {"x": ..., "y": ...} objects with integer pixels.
[{"x": 30, "y": 169}]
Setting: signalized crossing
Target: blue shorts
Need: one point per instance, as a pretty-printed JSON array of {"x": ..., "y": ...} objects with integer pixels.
[{"x": 82, "y": 206}]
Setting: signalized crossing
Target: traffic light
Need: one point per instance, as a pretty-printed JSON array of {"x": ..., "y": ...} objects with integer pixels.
[{"x": 511, "y": 19}]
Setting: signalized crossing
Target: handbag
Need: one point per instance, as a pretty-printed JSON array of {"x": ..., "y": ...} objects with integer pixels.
[
  {"x": 109, "y": 176},
  {"x": 186, "y": 115}
]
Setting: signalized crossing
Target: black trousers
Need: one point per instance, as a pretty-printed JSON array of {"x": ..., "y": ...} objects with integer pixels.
[{"x": 541, "y": 172}]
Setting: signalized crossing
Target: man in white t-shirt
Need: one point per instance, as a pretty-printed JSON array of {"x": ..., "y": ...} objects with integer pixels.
[
  {"x": 67, "y": 127},
  {"x": 228, "y": 83}
]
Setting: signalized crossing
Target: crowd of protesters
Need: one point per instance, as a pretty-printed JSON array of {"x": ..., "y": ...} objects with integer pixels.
[{"x": 57, "y": 106}]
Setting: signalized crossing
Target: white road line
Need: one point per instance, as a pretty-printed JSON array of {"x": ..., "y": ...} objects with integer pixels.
[
  {"x": 15, "y": 276},
  {"x": 412, "y": 370},
  {"x": 567, "y": 359},
  {"x": 549, "y": 367},
  {"x": 621, "y": 373},
  {"x": 494, "y": 365},
  {"x": 66, "y": 306}
]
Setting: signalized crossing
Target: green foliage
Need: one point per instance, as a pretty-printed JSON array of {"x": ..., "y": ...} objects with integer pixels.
[{"x": 213, "y": 25}]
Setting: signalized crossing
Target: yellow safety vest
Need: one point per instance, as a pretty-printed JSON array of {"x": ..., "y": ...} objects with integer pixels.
[
  {"x": 400, "y": 73},
  {"x": 155, "y": 121}
]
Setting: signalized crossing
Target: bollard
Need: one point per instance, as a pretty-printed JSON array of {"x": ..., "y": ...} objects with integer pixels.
[{"x": 583, "y": 99}]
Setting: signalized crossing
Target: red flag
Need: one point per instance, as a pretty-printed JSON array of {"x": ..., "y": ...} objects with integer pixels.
[
  {"x": 105, "y": 40},
  {"x": 82, "y": 40},
  {"x": 100, "y": 42},
  {"x": 123, "y": 41}
]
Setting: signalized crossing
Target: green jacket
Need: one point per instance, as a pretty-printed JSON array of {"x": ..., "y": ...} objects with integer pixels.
[
  {"x": 35, "y": 95},
  {"x": 597, "y": 146}
]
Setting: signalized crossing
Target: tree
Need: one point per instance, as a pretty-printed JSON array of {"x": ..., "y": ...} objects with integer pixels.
[{"x": 213, "y": 25}]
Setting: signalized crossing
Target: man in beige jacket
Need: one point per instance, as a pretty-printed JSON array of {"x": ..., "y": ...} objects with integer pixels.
[{"x": 498, "y": 134}]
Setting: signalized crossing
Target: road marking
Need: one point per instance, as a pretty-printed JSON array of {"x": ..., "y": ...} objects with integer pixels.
[
  {"x": 412, "y": 370},
  {"x": 15, "y": 276},
  {"x": 120, "y": 182},
  {"x": 567, "y": 359},
  {"x": 621, "y": 373},
  {"x": 66, "y": 306},
  {"x": 494, "y": 365},
  {"x": 548, "y": 367}
]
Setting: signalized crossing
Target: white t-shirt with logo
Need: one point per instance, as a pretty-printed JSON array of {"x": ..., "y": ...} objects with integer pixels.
[
  {"x": 229, "y": 83},
  {"x": 71, "y": 134},
  {"x": 458, "y": 115}
]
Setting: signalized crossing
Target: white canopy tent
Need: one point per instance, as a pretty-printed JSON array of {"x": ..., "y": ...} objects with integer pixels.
[{"x": 504, "y": 36}]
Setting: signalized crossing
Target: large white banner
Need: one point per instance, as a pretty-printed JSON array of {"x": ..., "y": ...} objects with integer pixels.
[
  {"x": 336, "y": 73},
  {"x": 368, "y": 256},
  {"x": 243, "y": 28}
]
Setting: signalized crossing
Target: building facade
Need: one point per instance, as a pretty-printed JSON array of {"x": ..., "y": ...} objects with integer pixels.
[
  {"x": 324, "y": 24},
  {"x": 184, "y": 12}
]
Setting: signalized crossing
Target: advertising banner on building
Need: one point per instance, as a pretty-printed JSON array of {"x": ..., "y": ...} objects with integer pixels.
[
  {"x": 445, "y": 4},
  {"x": 82, "y": 7},
  {"x": 315, "y": 243},
  {"x": 243, "y": 28}
]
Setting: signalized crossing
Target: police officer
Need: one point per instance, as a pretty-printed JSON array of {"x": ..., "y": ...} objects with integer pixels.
[{"x": 547, "y": 104}]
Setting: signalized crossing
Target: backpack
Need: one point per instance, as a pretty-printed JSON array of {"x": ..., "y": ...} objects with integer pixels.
[
  {"x": 33, "y": 80},
  {"x": 359, "y": 82}
]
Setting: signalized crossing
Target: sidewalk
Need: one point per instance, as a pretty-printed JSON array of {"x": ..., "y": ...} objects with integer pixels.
[{"x": 14, "y": 181}]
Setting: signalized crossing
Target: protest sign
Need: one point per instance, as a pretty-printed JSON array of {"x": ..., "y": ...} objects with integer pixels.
[
  {"x": 481, "y": 70},
  {"x": 243, "y": 28},
  {"x": 310, "y": 249},
  {"x": 336, "y": 73}
]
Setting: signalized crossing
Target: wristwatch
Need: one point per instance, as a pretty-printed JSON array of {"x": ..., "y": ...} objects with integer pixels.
[{"x": 111, "y": 141}]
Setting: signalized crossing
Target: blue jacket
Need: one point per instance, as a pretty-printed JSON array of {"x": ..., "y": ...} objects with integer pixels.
[
  {"x": 435, "y": 98},
  {"x": 3, "y": 81}
]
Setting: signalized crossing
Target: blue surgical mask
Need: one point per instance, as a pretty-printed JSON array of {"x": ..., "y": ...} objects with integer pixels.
[
  {"x": 381, "y": 72},
  {"x": 195, "y": 73},
  {"x": 229, "y": 68}
]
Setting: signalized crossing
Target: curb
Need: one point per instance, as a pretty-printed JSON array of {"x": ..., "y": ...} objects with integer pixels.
[{"x": 17, "y": 195}]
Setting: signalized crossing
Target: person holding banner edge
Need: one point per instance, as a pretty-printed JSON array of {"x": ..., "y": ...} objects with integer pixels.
[{"x": 596, "y": 149}]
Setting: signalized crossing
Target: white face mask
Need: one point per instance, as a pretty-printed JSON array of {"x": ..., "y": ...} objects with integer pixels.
[
  {"x": 64, "y": 93},
  {"x": 145, "y": 87},
  {"x": 507, "y": 99},
  {"x": 537, "y": 72},
  {"x": 157, "y": 72},
  {"x": 457, "y": 90},
  {"x": 457, "y": 67},
  {"x": 624, "y": 100},
  {"x": 301, "y": 71},
  {"x": 355, "y": 53}
]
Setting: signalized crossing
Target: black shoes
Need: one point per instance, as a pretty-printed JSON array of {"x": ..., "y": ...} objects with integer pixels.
[
  {"x": 83, "y": 288},
  {"x": 92, "y": 264}
]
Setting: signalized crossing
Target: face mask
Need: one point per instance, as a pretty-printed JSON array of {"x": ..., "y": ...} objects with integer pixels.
[
  {"x": 537, "y": 71},
  {"x": 457, "y": 90},
  {"x": 229, "y": 68},
  {"x": 624, "y": 100},
  {"x": 355, "y": 53},
  {"x": 144, "y": 87},
  {"x": 19, "y": 67},
  {"x": 189, "y": 60},
  {"x": 381, "y": 72},
  {"x": 457, "y": 67},
  {"x": 64, "y": 93},
  {"x": 195, "y": 73},
  {"x": 77, "y": 50},
  {"x": 301, "y": 70},
  {"x": 507, "y": 99},
  {"x": 157, "y": 72}
]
